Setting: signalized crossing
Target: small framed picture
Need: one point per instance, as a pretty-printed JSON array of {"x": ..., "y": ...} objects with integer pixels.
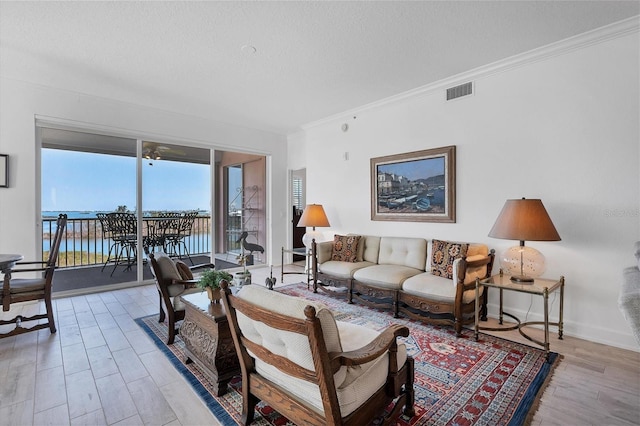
[{"x": 4, "y": 171}]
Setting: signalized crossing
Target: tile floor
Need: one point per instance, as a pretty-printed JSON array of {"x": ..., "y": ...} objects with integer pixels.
[{"x": 100, "y": 368}]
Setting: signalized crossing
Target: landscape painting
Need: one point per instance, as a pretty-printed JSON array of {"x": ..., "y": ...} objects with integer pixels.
[{"x": 416, "y": 186}]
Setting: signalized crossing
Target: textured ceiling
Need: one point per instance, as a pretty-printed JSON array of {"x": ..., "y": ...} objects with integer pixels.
[{"x": 312, "y": 59}]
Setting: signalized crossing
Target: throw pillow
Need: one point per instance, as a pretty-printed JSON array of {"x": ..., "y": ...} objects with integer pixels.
[
  {"x": 184, "y": 270},
  {"x": 345, "y": 248},
  {"x": 442, "y": 257}
]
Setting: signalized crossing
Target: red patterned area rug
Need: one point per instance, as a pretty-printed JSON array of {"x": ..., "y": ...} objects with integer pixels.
[{"x": 458, "y": 381}]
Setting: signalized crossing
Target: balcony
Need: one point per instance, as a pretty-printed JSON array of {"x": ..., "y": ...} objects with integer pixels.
[{"x": 85, "y": 248}]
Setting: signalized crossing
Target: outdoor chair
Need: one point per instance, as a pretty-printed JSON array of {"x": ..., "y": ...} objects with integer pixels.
[
  {"x": 123, "y": 232},
  {"x": 313, "y": 369},
  {"x": 15, "y": 290},
  {"x": 173, "y": 279},
  {"x": 176, "y": 241}
]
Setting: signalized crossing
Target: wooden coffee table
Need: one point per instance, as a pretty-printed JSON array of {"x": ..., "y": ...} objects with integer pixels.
[{"x": 208, "y": 341}]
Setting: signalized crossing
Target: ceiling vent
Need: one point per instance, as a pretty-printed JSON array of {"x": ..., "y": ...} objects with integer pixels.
[{"x": 459, "y": 91}]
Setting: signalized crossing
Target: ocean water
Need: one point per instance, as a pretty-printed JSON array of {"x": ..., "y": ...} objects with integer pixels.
[{"x": 197, "y": 242}]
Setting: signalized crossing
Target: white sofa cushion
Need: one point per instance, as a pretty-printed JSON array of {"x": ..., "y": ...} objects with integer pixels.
[
  {"x": 436, "y": 288},
  {"x": 385, "y": 276},
  {"x": 410, "y": 252},
  {"x": 342, "y": 269},
  {"x": 354, "y": 384}
]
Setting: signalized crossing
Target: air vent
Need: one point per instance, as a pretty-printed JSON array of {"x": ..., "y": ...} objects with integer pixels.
[{"x": 459, "y": 91}]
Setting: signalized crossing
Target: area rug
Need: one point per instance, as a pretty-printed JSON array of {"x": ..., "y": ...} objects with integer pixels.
[{"x": 458, "y": 381}]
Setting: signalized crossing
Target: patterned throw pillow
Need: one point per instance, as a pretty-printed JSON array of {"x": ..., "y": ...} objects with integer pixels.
[
  {"x": 345, "y": 248},
  {"x": 443, "y": 255}
]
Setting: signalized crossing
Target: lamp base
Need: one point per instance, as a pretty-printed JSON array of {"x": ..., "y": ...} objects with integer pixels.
[
  {"x": 309, "y": 236},
  {"x": 522, "y": 262},
  {"x": 522, "y": 279}
]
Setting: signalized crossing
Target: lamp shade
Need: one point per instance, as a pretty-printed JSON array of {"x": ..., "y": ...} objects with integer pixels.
[
  {"x": 313, "y": 215},
  {"x": 524, "y": 220}
]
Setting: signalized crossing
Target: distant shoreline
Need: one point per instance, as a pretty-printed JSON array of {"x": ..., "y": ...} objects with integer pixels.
[{"x": 91, "y": 214}]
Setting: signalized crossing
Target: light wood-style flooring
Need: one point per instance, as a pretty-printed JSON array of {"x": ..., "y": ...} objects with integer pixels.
[{"x": 100, "y": 368}]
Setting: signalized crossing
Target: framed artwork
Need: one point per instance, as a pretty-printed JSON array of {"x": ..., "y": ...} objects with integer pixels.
[
  {"x": 416, "y": 186},
  {"x": 4, "y": 171}
]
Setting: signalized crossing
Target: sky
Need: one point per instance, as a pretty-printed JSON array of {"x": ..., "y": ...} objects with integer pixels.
[
  {"x": 79, "y": 181},
  {"x": 419, "y": 169}
]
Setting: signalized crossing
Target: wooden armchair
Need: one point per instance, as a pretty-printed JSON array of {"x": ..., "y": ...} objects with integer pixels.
[
  {"x": 173, "y": 278},
  {"x": 313, "y": 369},
  {"x": 15, "y": 290}
]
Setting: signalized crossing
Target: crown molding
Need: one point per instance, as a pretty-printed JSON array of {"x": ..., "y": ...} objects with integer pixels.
[{"x": 562, "y": 47}]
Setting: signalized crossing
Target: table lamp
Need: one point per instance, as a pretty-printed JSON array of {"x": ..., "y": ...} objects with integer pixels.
[
  {"x": 313, "y": 216},
  {"x": 524, "y": 220}
]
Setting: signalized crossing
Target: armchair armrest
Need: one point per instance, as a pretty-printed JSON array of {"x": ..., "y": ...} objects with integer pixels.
[
  {"x": 371, "y": 351},
  {"x": 202, "y": 265},
  {"x": 467, "y": 270},
  {"x": 323, "y": 251},
  {"x": 42, "y": 268},
  {"x": 186, "y": 283}
]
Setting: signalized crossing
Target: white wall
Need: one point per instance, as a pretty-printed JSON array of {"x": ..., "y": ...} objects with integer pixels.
[
  {"x": 560, "y": 128},
  {"x": 21, "y": 102}
]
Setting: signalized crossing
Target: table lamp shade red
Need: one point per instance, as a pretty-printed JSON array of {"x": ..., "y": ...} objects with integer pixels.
[
  {"x": 313, "y": 216},
  {"x": 524, "y": 220}
]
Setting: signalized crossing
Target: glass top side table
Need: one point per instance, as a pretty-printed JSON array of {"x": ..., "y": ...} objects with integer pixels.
[{"x": 541, "y": 287}]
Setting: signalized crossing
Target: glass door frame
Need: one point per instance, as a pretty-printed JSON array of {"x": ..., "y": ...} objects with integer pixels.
[{"x": 61, "y": 124}]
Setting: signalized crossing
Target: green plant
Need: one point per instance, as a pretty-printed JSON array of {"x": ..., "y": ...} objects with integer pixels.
[{"x": 212, "y": 278}]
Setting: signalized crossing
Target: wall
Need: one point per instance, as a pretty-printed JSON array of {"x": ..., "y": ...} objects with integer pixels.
[
  {"x": 21, "y": 102},
  {"x": 562, "y": 127}
]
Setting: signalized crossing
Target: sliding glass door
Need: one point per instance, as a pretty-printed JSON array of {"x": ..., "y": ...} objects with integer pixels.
[
  {"x": 95, "y": 180},
  {"x": 176, "y": 201}
]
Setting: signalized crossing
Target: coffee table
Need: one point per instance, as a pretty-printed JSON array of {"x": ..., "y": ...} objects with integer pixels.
[{"x": 207, "y": 340}]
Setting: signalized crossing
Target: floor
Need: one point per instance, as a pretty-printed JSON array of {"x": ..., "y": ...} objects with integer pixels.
[{"x": 100, "y": 368}]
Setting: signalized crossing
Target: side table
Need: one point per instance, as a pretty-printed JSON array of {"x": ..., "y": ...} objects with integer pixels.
[
  {"x": 301, "y": 251},
  {"x": 541, "y": 287},
  {"x": 207, "y": 340}
]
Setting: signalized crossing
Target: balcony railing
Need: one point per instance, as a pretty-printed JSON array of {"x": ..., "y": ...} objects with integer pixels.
[{"x": 85, "y": 244}]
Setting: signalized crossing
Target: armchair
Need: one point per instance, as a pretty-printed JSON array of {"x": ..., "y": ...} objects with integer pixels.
[
  {"x": 173, "y": 278},
  {"x": 313, "y": 369},
  {"x": 16, "y": 290}
]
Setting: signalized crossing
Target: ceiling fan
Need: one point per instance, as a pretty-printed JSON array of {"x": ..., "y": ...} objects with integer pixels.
[{"x": 153, "y": 151}]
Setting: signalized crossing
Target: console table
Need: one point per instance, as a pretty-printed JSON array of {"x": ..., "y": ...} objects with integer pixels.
[
  {"x": 540, "y": 287},
  {"x": 207, "y": 340}
]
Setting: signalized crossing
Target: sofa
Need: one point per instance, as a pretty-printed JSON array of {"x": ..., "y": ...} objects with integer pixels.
[
  {"x": 401, "y": 274},
  {"x": 629, "y": 297}
]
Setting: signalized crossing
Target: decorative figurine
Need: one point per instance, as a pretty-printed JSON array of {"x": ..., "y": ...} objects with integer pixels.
[{"x": 271, "y": 280}]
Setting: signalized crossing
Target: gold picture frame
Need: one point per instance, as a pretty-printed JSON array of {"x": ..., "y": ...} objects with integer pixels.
[{"x": 417, "y": 186}]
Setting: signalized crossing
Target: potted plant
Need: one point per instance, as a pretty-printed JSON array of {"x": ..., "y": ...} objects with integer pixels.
[{"x": 210, "y": 281}]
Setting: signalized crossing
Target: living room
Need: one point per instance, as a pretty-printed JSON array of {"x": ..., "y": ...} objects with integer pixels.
[{"x": 559, "y": 123}]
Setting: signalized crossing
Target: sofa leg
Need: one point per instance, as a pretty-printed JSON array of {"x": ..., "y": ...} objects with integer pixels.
[
  {"x": 458, "y": 327},
  {"x": 396, "y": 306}
]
